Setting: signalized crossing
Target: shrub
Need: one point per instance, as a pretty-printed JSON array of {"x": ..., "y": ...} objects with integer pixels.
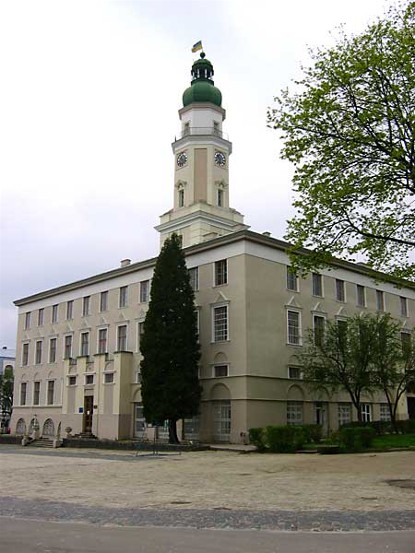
[
  {"x": 284, "y": 439},
  {"x": 406, "y": 427},
  {"x": 256, "y": 437},
  {"x": 312, "y": 433},
  {"x": 356, "y": 438}
]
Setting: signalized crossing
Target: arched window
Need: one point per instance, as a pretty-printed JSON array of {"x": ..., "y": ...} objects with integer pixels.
[
  {"x": 20, "y": 427},
  {"x": 48, "y": 428}
]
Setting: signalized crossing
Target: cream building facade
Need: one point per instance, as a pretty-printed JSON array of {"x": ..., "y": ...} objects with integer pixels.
[{"x": 78, "y": 348}]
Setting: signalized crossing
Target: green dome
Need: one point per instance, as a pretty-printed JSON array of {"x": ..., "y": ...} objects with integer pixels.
[{"x": 202, "y": 88}]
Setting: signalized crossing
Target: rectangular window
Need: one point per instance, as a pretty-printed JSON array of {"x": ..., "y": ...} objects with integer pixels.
[
  {"x": 85, "y": 305},
  {"x": 340, "y": 294},
  {"x": 294, "y": 412},
  {"x": 84, "y": 343},
  {"x": 317, "y": 285},
  {"x": 25, "y": 355},
  {"x": 360, "y": 295},
  {"x": 102, "y": 340},
  {"x": 293, "y": 328},
  {"x": 38, "y": 353},
  {"x": 89, "y": 379},
  {"x": 69, "y": 310},
  {"x": 318, "y": 326},
  {"x": 220, "y": 197},
  {"x": 220, "y": 323},
  {"x": 122, "y": 338},
  {"x": 103, "y": 302},
  {"x": 123, "y": 300},
  {"x": 295, "y": 373},
  {"x": 292, "y": 280},
  {"x": 144, "y": 291},
  {"x": 404, "y": 306},
  {"x": 52, "y": 350},
  {"x": 55, "y": 313},
  {"x": 406, "y": 343},
  {"x": 51, "y": 391},
  {"x": 194, "y": 278},
  {"x": 385, "y": 415},
  {"x": 27, "y": 320},
  {"x": 366, "y": 412},
  {"x": 221, "y": 272},
  {"x": 140, "y": 333},
  {"x": 380, "y": 300},
  {"x": 40, "y": 317},
  {"x": 68, "y": 347},
  {"x": 36, "y": 393},
  {"x": 220, "y": 370},
  {"x": 72, "y": 380},
  {"x": 181, "y": 197},
  {"x": 108, "y": 378},
  {"x": 344, "y": 413},
  {"x": 23, "y": 391}
]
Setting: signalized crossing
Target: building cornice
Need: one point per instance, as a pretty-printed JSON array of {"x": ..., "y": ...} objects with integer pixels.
[{"x": 244, "y": 235}]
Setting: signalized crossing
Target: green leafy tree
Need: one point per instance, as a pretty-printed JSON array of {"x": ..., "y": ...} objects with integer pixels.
[
  {"x": 6, "y": 394},
  {"x": 393, "y": 361},
  {"x": 341, "y": 358},
  {"x": 170, "y": 387},
  {"x": 349, "y": 129}
]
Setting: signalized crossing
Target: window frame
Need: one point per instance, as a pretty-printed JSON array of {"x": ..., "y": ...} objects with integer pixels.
[
  {"x": 65, "y": 346},
  {"x": 144, "y": 291},
  {"x": 103, "y": 301},
  {"x": 295, "y": 417},
  {"x": 360, "y": 295},
  {"x": 123, "y": 297},
  {"x": 84, "y": 344},
  {"x": 23, "y": 393},
  {"x": 38, "y": 352},
  {"x": 102, "y": 345},
  {"x": 86, "y": 306},
  {"x": 217, "y": 332},
  {"x": 292, "y": 281},
  {"x": 217, "y": 366},
  {"x": 340, "y": 286},
  {"x": 124, "y": 338},
  {"x": 36, "y": 392},
  {"x": 50, "y": 392},
  {"x": 54, "y": 315},
  {"x": 40, "y": 316},
  {"x": 404, "y": 306},
  {"x": 194, "y": 278},
  {"x": 220, "y": 272},
  {"x": 53, "y": 350},
  {"x": 69, "y": 310},
  {"x": 317, "y": 283},
  {"x": 380, "y": 300},
  {"x": 299, "y": 326},
  {"x": 25, "y": 354}
]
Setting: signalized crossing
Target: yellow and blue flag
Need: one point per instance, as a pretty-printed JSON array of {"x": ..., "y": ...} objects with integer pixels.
[{"x": 197, "y": 46}]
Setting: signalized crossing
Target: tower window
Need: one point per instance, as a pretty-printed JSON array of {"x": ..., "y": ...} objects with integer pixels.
[
  {"x": 181, "y": 198},
  {"x": 220, "y": 197}
]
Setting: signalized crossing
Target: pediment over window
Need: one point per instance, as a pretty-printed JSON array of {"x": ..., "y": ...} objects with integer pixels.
[
  {"x": 85, "y": 324},
  {"x": 221, "y": 184},
  {"x": 342, "y": 312},
  {"x": 68, "y": 328},
  {"x": 221, "y": 298},
  {"x": 318, "y": 308},
  {"x": 293, "y": 303},
  {"x": 103, "y": 321}
]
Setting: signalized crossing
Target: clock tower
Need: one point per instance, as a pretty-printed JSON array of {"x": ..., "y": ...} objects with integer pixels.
[{"x": 201, "y": 166}]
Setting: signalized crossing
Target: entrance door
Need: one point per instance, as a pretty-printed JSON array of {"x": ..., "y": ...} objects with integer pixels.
[
  {"x": 320, "y": 416},
  {"x": 222, "y": 421},
  {"x": 88, "y": 410}
]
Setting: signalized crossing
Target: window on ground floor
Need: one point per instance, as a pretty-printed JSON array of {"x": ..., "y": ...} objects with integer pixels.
[
  {"x": 295, "y": 412},
  {"x": 344, "y": 413}
]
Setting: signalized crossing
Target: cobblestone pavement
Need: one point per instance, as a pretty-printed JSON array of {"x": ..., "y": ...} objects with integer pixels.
[
  {"x": 318, "y": 521},
  {"x": 59, "y": 508}
]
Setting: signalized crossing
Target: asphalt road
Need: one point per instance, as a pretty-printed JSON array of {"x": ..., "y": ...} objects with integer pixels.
[{"x": 30, "y": 536}]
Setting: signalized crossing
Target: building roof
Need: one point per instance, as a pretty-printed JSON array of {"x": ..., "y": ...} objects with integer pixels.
[
  {"x": 248, "y": 235},
  {"x": 6, "y": 353}
]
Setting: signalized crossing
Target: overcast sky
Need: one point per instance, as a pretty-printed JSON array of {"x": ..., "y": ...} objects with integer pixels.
[{"x": 88, "y": 109}]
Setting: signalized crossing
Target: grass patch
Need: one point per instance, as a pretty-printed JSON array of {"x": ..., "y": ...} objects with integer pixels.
[{"x": 393, "y": 440}]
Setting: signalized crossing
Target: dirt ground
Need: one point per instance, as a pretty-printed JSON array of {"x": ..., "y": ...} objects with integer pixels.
[{"x": 214, "y": 480}]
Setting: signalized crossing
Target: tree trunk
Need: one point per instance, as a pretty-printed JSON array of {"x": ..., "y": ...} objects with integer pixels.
[{"x": 173, "y": 438}]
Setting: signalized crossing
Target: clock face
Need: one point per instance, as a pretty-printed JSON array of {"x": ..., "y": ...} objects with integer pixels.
[
  {"x": 181, "y": 159},
  {"x": 220, "y": 159}
]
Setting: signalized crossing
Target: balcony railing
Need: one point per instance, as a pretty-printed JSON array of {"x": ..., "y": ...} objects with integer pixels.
[{"x": 201, "y": 131}]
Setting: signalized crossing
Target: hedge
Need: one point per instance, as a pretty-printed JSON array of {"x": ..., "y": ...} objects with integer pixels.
[{"x": 356, "y": 438}]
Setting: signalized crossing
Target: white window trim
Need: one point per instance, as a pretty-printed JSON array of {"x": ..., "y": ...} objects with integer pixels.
[
  {"x": 212, "y": 316},
  {"x": 358, "y": 287},
  {"x": 214, "y": 273},
  {"x": 214, "y": 365},
  {"x": 126, "y": 336},
  {"x": 297, "y": 281},
  {"x": 300, "y": 326},
  {"x": 80, "y": 343},
  {"x": 64, "y": 345},
  {"x": 344, "y": 290},
  {"x": 99, "y": 328},
  {"x": 312, "y": 285}
]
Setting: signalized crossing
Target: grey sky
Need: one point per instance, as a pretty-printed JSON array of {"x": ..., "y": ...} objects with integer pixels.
[{"x": 88, "y": 110}]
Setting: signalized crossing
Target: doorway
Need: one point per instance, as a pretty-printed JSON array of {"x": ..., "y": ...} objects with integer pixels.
[
  {"x": 320, "y": 416},
  {"x": 88, "y": 411}
]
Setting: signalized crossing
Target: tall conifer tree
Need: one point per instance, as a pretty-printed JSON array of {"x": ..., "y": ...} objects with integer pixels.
[{"x": 169, "y": 345}]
